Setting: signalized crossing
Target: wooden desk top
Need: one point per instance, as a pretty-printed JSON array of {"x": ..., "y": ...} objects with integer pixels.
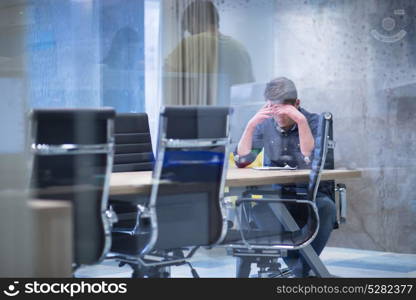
[{"x": 140, "y": 182}]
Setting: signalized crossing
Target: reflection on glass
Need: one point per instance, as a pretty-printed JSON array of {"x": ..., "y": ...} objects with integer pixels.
[
  {"x": 358, "y": 62},
  {"x": 121, "y": 72},
  {"x": 206, "y": 63},
  {"x": 17, "y": 246}
]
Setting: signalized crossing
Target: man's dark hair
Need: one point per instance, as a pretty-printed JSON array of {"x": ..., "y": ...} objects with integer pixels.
[
  {"x": 201, "y": 15},
  {"x": 281, "y": 90}
]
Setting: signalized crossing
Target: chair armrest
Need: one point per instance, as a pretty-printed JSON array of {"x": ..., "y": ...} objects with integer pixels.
[{"x": 291, "y": 237}]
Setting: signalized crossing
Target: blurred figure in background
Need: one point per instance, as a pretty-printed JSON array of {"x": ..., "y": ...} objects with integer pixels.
[
  {"x": 122, "y": 72},
  {"x": 206, "y": 63}
]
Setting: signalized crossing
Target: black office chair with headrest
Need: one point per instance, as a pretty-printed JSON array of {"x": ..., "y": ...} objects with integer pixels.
[
  {"x": 73, "y": 156},
  {"x": 264, "y": 247},
  {"x": 185, "y": 207},
  {"x": 133, "y": 152},
  {"x": 338, "y": 191},
  {"x": 133, "y": 144}
]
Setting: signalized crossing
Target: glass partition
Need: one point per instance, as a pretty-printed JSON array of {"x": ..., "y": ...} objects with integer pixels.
[
  {"x": 355, "y": 59},
  {"x": 16, "y": 232}
]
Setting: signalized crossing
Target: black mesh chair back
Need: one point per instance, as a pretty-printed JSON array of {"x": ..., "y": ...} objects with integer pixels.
[
  {"x": 330, "y": 156},
  {"x": 133, "y": 145},
  {"x": 133, "y": 152},
  {"x": 336, "y": 191},
  {"x": 320, "y": 154},
  {"x": 328, "y": 186},
  {"x": 192, "y": 123},
  {"x": 73, "y": 151}
]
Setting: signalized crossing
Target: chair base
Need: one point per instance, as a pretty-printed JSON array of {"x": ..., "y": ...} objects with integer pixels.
[
  {"x": 148, "y": 272},
  {"x": 280, "y": 273},
  {"x": 156, "y": 265}
]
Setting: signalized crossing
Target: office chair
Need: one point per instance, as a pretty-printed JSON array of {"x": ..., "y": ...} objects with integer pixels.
[
  {"x": 133, "y": 152},
  {"x": 338, "y": 191},
  {"x": 73, "y": 156},
  {"x": 185, "y": 208},
  {"x": 133, "y": 145},
  {"x": 265, "y": 247}
]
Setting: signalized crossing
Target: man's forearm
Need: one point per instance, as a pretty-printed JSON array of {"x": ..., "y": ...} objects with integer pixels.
[
  {"x": 246, "y": 142},
  {"x": 306, "y": 140}
]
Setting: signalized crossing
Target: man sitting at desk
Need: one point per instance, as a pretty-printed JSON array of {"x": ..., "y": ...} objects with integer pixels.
[{"x": 286, "y": 133}]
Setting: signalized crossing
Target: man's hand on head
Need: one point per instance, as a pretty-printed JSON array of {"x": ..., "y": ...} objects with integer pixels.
[
  {"x": 288, "y": 110},
  {"x": 266, "y": 112}
]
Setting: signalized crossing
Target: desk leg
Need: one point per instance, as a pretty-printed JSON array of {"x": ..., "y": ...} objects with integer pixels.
[{"x": 313, "y": 260}]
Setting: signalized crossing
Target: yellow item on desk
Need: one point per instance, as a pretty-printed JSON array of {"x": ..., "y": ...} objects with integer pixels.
[{"x": 257, "y": 163}]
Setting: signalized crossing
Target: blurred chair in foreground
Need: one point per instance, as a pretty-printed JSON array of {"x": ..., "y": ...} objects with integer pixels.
[
  {"x": 185, "y": 208},
  {"x": 73, "y": 157}
]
